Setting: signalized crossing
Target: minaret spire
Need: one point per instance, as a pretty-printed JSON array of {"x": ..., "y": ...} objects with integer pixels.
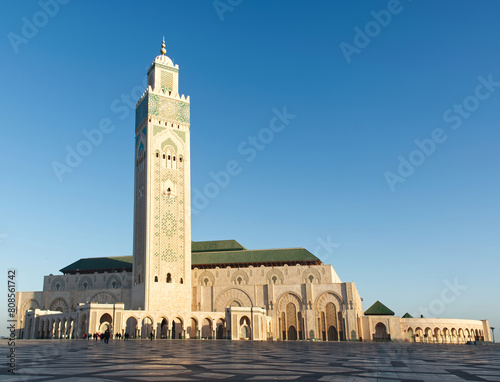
[{"x": 163, "y": 50}]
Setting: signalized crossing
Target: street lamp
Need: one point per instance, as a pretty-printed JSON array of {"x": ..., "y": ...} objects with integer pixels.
[{"x": 493, "y": 333}]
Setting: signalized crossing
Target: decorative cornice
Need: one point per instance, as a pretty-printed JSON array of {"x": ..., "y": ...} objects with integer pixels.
[{"x": 163, "y": 93}]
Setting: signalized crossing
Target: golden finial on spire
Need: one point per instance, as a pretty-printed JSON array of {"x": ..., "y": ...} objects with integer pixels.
[{"x": 163, "y": 50}]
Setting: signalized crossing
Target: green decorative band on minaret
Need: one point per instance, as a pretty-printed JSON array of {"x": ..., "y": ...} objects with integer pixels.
[{"x": 166, "y": 109}]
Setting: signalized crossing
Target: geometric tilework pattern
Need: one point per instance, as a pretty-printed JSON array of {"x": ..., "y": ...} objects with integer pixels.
[
  {"x": 167, "y": 81},
  {"x": 168, "y": 221},
  {"x": 197, "y": 360},
  {"x": 167, "y": 109}
]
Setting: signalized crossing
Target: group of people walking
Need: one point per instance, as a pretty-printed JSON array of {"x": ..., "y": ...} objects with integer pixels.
[
  {"x": 98, "y": 336},
  {"x": 106, "y": 335}
]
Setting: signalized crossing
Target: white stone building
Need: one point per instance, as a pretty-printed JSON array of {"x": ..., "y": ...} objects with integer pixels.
[{"x": 174, "y": 288}]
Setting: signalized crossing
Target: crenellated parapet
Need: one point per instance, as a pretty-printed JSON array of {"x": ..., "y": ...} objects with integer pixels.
[{"x": 163, "y": 92}]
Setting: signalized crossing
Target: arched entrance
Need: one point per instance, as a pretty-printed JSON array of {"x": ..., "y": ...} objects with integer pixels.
[
  {"x": 131, "y": 327},
  {"x": 381, "y": 333},
  {"x": 147, "y": 327},
  {"x": 206, "y": 329},
  {"x": 164, "y": 328},
  {"x": 41, "y": 332},
  {"x": 221, "y": 329},
  {"x": 245, "y": 333},
  {"x": 291, "y": 322},
  {"x": 193, "y": 328},
  {"x": 329, "y": 306},
  {"x": 105, "y": 323},
  {"x": 289, "y": 306},
  {"x": 332, "y": 334},
  {"x": 177, "y": 328},
  {"x": 409, "y": 335},
  {"x": 83, "y": 326}
]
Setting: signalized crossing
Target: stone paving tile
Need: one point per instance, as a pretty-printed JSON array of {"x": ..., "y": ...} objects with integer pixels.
[
  {"x": 274, "y": 378},
  {"x": 119, "y": 361}
]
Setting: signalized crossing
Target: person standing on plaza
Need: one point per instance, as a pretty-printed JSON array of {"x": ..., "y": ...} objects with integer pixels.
[{"x": 106, "y": 336}]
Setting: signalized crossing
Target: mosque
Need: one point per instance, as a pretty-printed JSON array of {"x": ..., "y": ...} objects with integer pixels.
[{"x": 174, "y": 288}]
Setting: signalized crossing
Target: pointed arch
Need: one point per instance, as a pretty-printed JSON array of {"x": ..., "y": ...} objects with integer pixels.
[
  {"x": 239, "y": 277},
  {"x": 230, "y": 294},
  {"x": 104, "y": 298},
  {"x": 206, "y": 278},
  {"x": 274, "y": 276},
  {"x": 30, "y": 304},
  {"x": 289, "y": 297},
  {"x": 311, "y": 276},
  {"x": 59, "y": 304},
  {"x": 326, "y": 297}
]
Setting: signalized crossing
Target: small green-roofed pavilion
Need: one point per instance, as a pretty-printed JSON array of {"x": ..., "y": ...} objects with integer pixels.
[
  {"x": 407, "y": 315},
  {"x": 378, "y": 309}
]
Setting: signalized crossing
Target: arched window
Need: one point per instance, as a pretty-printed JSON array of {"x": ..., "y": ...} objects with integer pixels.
[
  {"x": 239, "y": 279},
  {"x": 156, "y": 279},
  {"x": 275, "y": 279},
  {"x": 85, "y": 285},
  {"x": 182, "y": 281},
  {"x": 169, "y": 278}
]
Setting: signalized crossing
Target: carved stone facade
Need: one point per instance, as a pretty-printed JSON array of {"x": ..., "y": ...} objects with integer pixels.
[
  {"x": 162, "y": 214},
  {"x": 171, "y": 290}
]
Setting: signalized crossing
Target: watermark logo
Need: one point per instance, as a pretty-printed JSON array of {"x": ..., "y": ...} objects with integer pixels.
[
  {"x": 31, "y": 26},
  {"x": 448, "y": 295},
  {"x": 428, "y": 146},
  {"x": 460, "y": 111},
  {"x": 224, "y": 6},
  {"x": 121, "y": 106},
  {"x": 325, "y": 248},
  {"x": 364, "y": 36},
  {"x": 249, "y": 149}
]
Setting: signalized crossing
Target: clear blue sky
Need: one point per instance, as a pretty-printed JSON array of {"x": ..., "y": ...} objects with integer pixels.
[{"x": 321, "y": 179}]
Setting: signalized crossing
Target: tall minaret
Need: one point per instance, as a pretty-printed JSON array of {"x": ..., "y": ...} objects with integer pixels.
[{"x": 162, "y": 201}]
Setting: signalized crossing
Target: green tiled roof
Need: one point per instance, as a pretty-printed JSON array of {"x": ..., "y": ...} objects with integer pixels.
[
  {"x": 407, "y": 315},
  {"x": 216, "y": 245},
  {"x": 378, "y": 309},
  {"x": 207, "y": 254},
  {"x": 94, "y": 264},
  {"x": 253, "y": 256}
]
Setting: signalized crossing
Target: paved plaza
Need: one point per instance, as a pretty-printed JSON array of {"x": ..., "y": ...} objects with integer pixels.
[{"x": 205, "y": 360}]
